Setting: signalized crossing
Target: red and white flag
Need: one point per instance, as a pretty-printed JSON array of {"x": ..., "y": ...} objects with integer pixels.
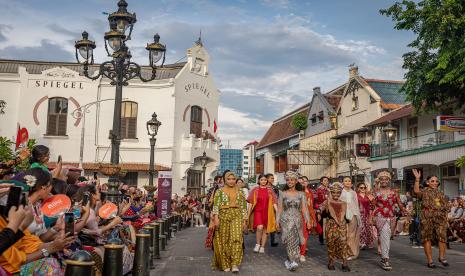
[{"x": 22, "y": 137}]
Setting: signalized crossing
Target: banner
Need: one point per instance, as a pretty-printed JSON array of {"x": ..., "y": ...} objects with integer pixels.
[
  {"x": 450, "y": 123},
  {"x": 165, "y": 182},
  {"x": 362, "y": 150}
]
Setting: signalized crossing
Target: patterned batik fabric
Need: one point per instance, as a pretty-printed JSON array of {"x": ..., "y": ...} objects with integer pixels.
[
  {"x": 383, "y": 226},
  {"x": 336, "y": 240},
  {"x": 228, "y": 239},
  {"x": 42, "y": 267},
  {"x": 433, "y": 217},
  {"x": 292, "y": 224},
  {"x": 366, "y": 232}
]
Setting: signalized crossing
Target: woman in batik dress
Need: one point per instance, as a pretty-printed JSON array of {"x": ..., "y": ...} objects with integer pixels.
[
  {"x": 366, "y": 232},
  {"x": 385, "y": 200},
  {"x": 335, "y": 212},
  {"x": 230, "y": 219},
  {"x": 349, "y": 196},
  {"x": 291, "y": 205},
  {"x": 433, "y": 217}
]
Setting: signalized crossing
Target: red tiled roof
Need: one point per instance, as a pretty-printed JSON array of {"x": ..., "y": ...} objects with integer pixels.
[
  {"x": 399, "y": 113},
  {"x": 282, "y": 128},
  {"x": 333, "y": 100},
  {"x": 130, "y": 167},
  {"x": 255, "y": 142}
]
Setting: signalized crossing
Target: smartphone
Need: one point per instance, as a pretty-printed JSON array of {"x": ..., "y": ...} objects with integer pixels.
[
  {"x": 59, "y": 158},
  {"x": 69, "y": 223},
  {"x": 95, "y": 175},
  {"x": 85, "y": 199},
  {"x": 14, "y": 198}
]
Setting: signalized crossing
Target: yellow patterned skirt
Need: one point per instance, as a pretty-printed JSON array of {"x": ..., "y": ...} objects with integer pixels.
[{"x": 227, "y": 242}]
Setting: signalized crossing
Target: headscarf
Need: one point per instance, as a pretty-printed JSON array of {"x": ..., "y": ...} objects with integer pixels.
[
  {"x": 228, "y": 174},
  {"x": 384, "y": 174},
  {"x": 336, "y": 187},
  {"x": 292, "y": 175}
]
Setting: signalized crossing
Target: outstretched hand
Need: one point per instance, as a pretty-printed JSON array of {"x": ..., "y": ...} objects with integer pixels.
[{"x": 416, "y": 173}]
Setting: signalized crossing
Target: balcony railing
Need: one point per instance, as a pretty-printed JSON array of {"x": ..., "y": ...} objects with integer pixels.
[{"x": 412, "y": 143}]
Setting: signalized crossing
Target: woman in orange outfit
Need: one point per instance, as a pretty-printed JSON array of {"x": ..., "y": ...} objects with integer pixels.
[{"x": 309, "y": 197}]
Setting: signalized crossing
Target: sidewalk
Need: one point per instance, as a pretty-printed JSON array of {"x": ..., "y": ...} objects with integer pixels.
[{"x": 186, "y": 255}]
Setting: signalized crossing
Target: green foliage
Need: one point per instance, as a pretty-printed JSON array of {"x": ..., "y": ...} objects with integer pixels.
[
  {"x": 252, "y": 179},
  {"x": 436, "y": 65},
  {"x": 24, "y": 165},
  {"x": 460, "y": 162},
  {"x": 6, "y": 149},
  {"x": 299, "y": 121}
]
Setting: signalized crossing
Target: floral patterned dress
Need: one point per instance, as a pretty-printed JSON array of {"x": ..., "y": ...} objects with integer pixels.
[
  {"x": 366, "y": 233},
  {"x": 335, "y": 213},
  {"x": 228, "y": 238},
  {"x": 433, "y": 218}
]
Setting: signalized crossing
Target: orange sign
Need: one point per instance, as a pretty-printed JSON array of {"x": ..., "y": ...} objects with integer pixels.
[
  {"x": 108, "y": 210},
  {"x": 56, "y": 206}
]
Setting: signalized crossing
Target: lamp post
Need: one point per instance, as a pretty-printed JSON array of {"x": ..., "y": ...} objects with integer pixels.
[
  {"x": 152, "y": 130},
  {"x": 203, "y": 161},
  {"x": 239, "y": 170},
  {"x": 390, "y": 132},
  {"x": 120, "y": 69},
  {"x": 352, "y": 167}
]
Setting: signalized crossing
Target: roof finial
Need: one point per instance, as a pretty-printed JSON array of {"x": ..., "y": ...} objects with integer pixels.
[
  {"x": 353, "y": 70},
  {"x": 199, "y": 41}
]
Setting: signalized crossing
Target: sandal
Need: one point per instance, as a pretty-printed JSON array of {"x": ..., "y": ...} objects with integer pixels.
[
  {"x": 443, "y": 262},
  {"x": 331, "y": 267},
  {"x": 345, "y": 268},
  {"x": 431, "y": 265}
]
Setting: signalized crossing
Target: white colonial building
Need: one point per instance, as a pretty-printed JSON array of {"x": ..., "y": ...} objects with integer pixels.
[{"x": 41, "y": 97}]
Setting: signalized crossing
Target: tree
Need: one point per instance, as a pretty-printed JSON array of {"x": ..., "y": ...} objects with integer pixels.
[
  {"x": 6, "y": 149},
  {"x": 436, "y": 66},
  {"x": 299, "y": 121}
]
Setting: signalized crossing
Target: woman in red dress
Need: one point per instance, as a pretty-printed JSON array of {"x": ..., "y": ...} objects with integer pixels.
[
  {"x": 263, "y": 203},
  {"x": 364, "y": 201}
]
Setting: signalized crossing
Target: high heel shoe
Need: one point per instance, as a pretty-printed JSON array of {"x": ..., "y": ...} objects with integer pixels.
[
  {"x": 431, "y": 265},
  {"x": 443, "y": 262}
]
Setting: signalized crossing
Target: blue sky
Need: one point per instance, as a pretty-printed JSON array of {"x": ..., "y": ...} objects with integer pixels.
[{"x": 266, "y": 55}]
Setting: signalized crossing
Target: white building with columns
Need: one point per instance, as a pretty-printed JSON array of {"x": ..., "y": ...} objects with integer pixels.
[{"x": 41, "y": 97}]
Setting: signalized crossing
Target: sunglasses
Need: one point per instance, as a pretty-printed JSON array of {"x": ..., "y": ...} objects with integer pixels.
[{"x": 362, "y": 188}]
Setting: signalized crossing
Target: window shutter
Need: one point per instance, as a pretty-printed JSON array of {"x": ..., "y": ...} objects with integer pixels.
[
  {"x": 132, "y": 128},
  {"x": 124, "y": 132},
  {"x": 61, "y": 127},
  {"x": 52, "y": 124}
]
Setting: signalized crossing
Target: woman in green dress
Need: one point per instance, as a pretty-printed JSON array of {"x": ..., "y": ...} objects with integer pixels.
[{"x": 230, "y": 219}]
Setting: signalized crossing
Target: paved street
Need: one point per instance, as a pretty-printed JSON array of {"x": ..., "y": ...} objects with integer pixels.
[{"x": 186, "y": 255}]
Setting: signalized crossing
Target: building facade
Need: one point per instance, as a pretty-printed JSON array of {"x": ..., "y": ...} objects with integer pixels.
[
  {"x": 418, "y": 144},
  {"x": 248, "y": 161},
  {"x": 271, "y": 152},
  {"x": 42, "y": 96},
  {"x": 362, "y": 101},
  {"x": 231, "y": 159},
  {"x": 316, "y": 156}
]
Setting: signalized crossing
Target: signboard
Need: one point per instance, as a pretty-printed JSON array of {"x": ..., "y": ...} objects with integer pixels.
[
  {"x": 450, "y": 123},
  {"x": 362, "y": 150},
  {"x": 56, "y": 206},
  {"x": 165, "y": 182},
  {"x": 400, "y": 174}
]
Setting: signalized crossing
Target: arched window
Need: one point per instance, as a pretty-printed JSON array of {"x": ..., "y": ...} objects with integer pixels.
[
  {"x": 196, "y": 121},
  {"x": 128, "y": 120},
  {"x": 57, "y": 116}
]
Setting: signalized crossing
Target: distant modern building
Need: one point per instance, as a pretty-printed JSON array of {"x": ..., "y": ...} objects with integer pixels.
[
  {"x": 231, "y": 159},
  {"x": 248, "y": 160}
]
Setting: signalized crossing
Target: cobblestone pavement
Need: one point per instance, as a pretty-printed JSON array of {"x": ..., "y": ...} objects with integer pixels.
[{"x": 186, "y": 255}]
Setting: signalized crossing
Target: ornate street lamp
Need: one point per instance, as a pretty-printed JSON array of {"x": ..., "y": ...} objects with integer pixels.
[
  {"x": 352, "y": 167},
  {"x": 152, "y": 130},
  {"x": 203, "y": 162},
  {"x": 390, "y": 132},
  {"x": 119, "y": 70}
]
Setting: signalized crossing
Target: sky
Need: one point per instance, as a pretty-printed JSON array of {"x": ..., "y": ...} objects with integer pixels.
[{"x": 265, "y": 55}]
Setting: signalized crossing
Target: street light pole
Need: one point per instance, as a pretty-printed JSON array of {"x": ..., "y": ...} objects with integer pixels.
[
  {"x": 390, "y": 132},
  {"x": 119, "y": 70},
  {"x": 203, "y": 161},
  {"x": 152, "y": 130}
]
